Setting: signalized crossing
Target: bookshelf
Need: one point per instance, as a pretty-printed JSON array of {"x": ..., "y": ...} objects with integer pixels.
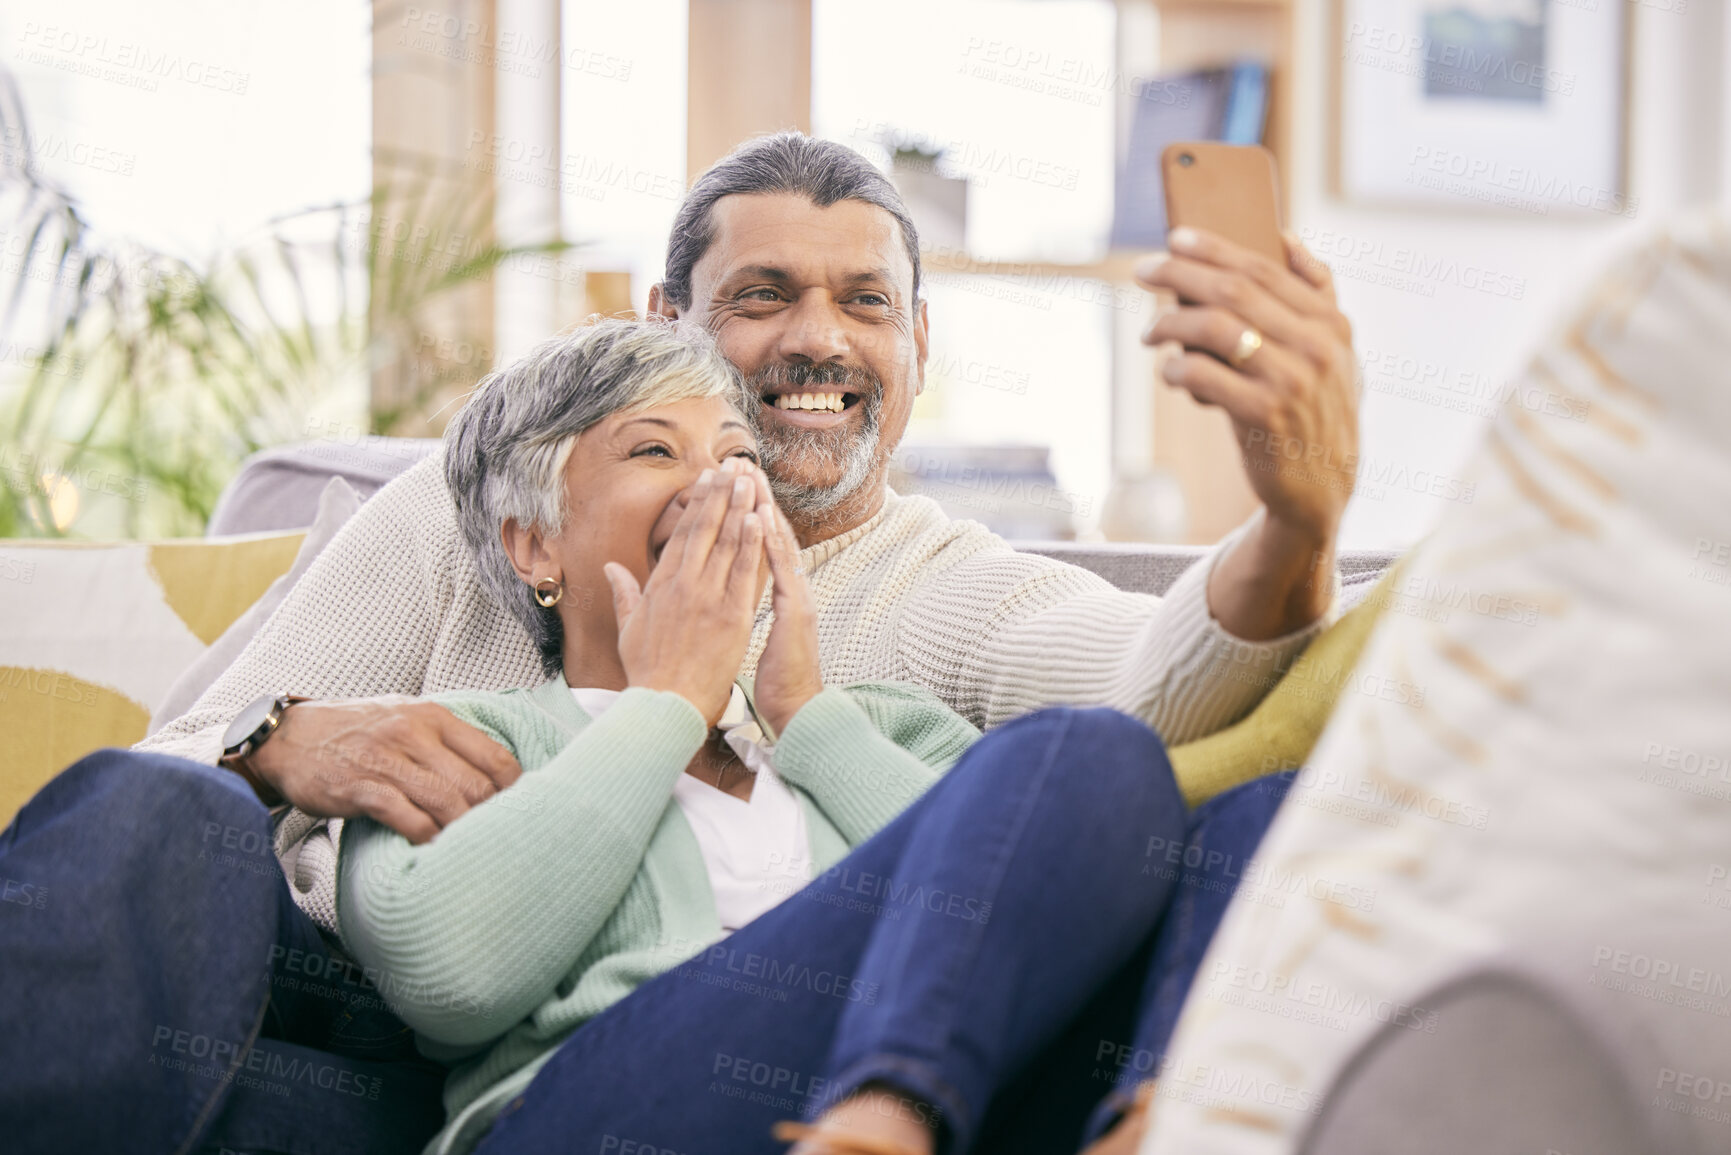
[{"x": 1153, "y": 424}]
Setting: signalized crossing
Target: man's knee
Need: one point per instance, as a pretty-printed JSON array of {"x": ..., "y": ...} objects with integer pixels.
[
  {"x": 147, "y": 772},
  {"x": 128, "y": 791}
]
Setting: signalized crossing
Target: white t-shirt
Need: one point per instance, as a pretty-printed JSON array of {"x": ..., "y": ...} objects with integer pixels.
[{"x": 756, "y": 851}]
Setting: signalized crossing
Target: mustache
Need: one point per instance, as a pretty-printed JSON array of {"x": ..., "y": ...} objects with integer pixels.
[{"x": 785, "y": 375}]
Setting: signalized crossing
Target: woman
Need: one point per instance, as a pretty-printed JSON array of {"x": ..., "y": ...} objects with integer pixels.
[{"x": 612, "y": 929}]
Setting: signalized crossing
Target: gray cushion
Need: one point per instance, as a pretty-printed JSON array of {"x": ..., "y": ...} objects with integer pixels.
[
  {"x": 1153, "y": 568},
  {"x": 279, "y": 488}
]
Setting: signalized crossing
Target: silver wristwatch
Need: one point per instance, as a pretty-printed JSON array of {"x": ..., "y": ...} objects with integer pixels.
[{"x": 253, "y": 725}]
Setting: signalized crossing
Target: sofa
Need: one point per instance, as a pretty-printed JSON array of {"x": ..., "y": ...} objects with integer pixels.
[
  {"x": 1526, "y": 1058},
  {"x": 1526, "y": 1062}
]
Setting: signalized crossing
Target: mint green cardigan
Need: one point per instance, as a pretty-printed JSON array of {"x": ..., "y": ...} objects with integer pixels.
[{"x": 541, "y": 907}]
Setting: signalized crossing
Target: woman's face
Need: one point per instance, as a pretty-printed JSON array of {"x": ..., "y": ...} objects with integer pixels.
[{"x": 625, "y": 487}]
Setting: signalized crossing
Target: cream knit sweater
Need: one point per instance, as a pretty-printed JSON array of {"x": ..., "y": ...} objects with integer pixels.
[{"x": 393, "y": 606}]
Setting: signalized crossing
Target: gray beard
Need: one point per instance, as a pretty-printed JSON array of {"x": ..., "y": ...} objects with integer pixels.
[{"x": 789, "y": 449}]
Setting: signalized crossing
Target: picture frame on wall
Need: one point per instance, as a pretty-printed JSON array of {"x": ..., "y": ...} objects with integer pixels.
[{"x": 1483, "y": 105}]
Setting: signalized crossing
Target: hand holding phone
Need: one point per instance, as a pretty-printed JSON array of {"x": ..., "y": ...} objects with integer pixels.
[{"x": 1264, "y": 339}]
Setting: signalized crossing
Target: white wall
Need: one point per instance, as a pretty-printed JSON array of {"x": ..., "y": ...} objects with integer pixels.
[{"x": 1679, "y": 113}]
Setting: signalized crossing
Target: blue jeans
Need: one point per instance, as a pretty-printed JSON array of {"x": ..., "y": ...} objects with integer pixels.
[
  {"x": 1000, "y": 953},
  {"x": 162, "y": 992}
]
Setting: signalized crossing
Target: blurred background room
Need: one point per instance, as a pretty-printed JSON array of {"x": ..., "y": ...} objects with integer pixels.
[{"x": 238, "y": 225}]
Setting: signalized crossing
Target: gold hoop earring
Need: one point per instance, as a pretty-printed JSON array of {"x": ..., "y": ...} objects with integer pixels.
[{"x": 547, "y": 599}]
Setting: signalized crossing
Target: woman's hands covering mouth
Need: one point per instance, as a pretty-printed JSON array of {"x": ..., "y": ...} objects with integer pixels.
[{"x": 687, "y": 628}]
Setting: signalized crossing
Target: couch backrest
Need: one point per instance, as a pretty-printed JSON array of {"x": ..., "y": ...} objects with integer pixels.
[{"x": 279, "y": 489}]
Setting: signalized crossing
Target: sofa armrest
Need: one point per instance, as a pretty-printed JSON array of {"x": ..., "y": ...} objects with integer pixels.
[{"x": 1555, "y": 1045}]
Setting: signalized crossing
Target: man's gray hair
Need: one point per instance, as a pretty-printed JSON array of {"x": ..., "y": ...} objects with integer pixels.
[
  {"x": 506, "y": 450},
  {"x": 786, "y": 162}
]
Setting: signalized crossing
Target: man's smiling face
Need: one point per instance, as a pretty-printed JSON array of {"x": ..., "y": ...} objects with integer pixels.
[{"x": 815, "y": 306}]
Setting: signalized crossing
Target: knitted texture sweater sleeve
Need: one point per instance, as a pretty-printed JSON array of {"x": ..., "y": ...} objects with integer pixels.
[
  {"x": 997, "y": 633},
  {"x": 865, "y": 752},
  {"x": 475, "y": 929}
]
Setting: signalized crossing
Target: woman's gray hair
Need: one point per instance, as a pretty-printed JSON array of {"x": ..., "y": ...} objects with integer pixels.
[
  {"x": 785, "y": 162},
  {"x": 506, "y": 450}
]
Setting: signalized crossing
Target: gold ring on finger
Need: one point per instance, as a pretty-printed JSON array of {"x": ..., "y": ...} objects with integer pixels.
[{"x": 1249, "y": 342}]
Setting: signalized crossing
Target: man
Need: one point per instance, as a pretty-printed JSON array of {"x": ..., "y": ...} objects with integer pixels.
[{"x": 799, "y": 257}]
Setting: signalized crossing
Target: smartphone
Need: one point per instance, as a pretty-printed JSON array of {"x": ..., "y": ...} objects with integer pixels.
[{"x": 1228, "y": 189}]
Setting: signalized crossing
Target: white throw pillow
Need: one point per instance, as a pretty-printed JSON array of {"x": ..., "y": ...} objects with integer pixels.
[{"x": 1570, "y": 764}]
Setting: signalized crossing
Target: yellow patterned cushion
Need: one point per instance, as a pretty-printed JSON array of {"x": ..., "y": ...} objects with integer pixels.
[
  {"x": 1280, "y": 733},
  {"x": 96, "y": 633}
]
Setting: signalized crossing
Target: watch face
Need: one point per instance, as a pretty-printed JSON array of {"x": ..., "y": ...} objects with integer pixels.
[{"x": 246, "y": 723}]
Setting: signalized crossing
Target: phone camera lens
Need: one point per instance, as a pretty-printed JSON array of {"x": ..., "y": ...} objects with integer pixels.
[{"x": 1186, "y": 159}]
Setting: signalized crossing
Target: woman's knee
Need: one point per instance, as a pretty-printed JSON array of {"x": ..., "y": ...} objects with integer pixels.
[{"x": 1099, "y": 742}]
